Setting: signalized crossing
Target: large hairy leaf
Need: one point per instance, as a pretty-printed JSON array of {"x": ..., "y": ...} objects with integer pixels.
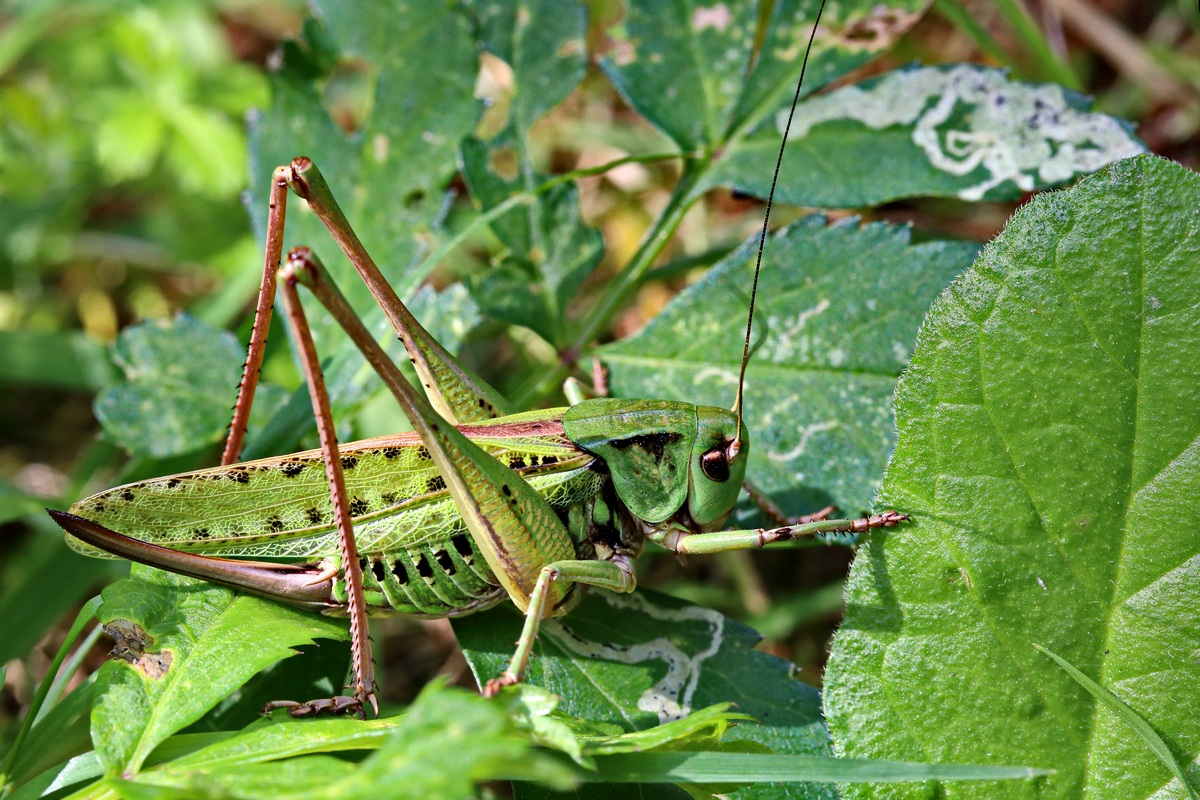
[{"x": 1049, "y": 444}]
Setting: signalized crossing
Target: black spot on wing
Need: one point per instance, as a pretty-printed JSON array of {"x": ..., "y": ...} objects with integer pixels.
[
  {"x": 291, "y": 469},
  {"x": 358, "y": 506},
  {"x": 391, "y": 452},
  {"x": 275, "y": 524},
  {"x": 389, "y": 498},
  {"x": 237, "y": 476},
  {"x": 314, "y": 515},
  {"x": 516, "y": 463},
  {"x": 435, "y": 484},
  {"x": 127, "y": 495},
  {"x": 349, "y": 462}
]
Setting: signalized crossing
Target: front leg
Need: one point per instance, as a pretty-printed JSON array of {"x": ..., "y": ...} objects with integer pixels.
[
  {"x": 775, "y": 513},
  {"x": 616, "y": 574},
  {"x": 686, "y": 543}
]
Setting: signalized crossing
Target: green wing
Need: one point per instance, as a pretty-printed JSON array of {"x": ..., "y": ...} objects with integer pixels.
[{"x": 280, "y": 507}]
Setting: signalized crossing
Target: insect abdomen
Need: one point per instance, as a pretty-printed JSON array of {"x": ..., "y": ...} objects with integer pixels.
[
  {"x": 443, "y": 573},
  {"x": 446, "y": 578}
]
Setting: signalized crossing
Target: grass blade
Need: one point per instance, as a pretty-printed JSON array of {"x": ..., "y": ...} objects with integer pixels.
[
  {"x": 1127, "y": 715},
  {"x": 710, "y": 767}
]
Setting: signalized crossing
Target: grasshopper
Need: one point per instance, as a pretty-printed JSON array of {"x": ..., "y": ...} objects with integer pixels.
[{"x": 474, "y": 505}]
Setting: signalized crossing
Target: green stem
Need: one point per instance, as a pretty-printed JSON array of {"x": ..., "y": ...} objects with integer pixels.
[
  {"x": 958, "y": 16},
  {"x": 6, "y": 769},
  {"x": 1030, "y": 35},
  {"x": 1049, "y": 65},
  {"x": 747, "y": 580},
  {"x": 546, "y": 380},
  {"x": 68, "y": 670},
  {"x": 685, "y": 264},
  {"x": 526, "y": 197}
]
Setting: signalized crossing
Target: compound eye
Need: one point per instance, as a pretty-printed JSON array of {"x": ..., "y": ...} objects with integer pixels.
[{"x": 715, "y": 465}]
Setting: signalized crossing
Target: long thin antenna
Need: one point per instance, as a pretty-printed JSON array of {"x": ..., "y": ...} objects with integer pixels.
[{"x": 736, "y": 445}]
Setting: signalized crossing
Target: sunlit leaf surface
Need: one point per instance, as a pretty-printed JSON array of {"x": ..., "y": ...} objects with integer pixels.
[{"x": 1049, "y": 439}]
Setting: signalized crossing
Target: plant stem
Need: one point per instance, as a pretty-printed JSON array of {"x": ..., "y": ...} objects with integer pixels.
[
  {"x": 1030, "y": 35},
  {"x": 547, "y": 379},
  {"x": 10, "y": 760}
]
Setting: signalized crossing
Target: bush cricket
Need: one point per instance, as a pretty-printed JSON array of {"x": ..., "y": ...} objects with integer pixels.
[{"x": 476, "y": 504}]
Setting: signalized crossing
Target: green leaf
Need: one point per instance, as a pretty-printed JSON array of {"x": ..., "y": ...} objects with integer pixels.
[
  {"x": 747, "y": 767},
  {"x": 543, "y": 42},
  {"x": 449, "y": 315},
  {"x": 447, "y": 742},
  {"x": 644, "y": 659},
  {"x": 1049, "y": 437},
  {"x": 167, "y": 404},
  {"x": 129, "y": 140},
  {"x": 956, "y": 131},
  {"x": 199, "y": 147},
  {"x": 185, "y": 647},
  {"x": 699, "y": 730},
  {"x": 318, "y": 671},
  {"x": 52, "y": 733},
  {"x": 850, "y": 35},
  {"x": 15, "y": 503},
  {"x": 838, "y": 311},
  {"x": 40, "y": 580},
  {"x": 688, "y": 67},
  {"x": 62, "y": 732},
  {"x": 550, "y": 250},
  {"x": 388, "y": 174}
]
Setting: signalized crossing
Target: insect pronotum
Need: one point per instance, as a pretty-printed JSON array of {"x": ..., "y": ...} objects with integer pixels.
[{"x": 475, "y": 505}]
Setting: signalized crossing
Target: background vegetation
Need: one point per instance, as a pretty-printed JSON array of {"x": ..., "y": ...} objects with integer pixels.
[{"x": 125, "y": 159}]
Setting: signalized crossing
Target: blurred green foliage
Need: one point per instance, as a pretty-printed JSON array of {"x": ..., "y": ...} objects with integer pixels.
[
  {"x": 123, "y": 150},
  {"x": 122, "y": 158}
]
